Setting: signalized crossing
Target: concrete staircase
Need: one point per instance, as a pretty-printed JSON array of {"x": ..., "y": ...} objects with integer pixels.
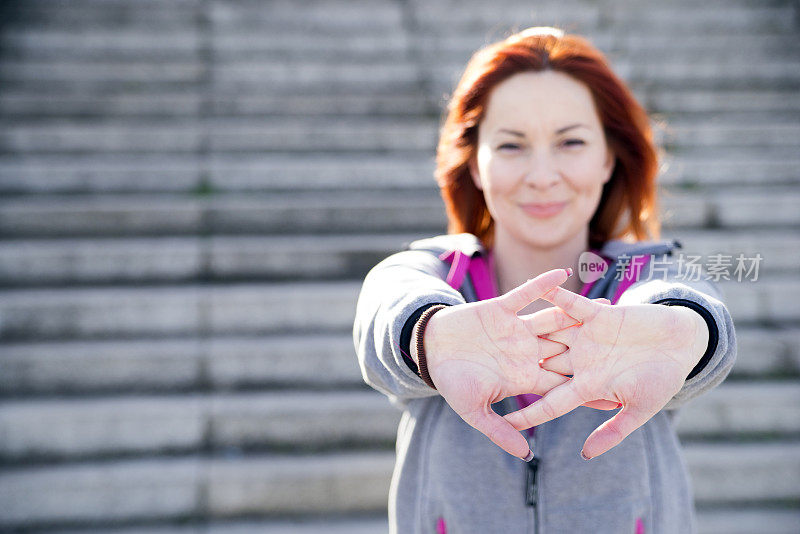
[{"x": 191, "y": 191}]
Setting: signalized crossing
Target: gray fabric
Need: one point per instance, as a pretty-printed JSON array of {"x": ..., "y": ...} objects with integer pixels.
[{"x": 446, "y": 469}]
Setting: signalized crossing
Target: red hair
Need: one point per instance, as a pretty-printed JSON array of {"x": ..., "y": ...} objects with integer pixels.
[{"x": 627, "y": 206}]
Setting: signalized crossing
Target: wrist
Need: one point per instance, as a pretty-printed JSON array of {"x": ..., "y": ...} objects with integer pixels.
[
  {"x": 699, "y": 336},
  {"x": 418, "y": 348}
]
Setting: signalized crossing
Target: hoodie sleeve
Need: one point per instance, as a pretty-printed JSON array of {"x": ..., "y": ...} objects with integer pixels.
[
  {"x": 392, "y": 292},
  {"x": 671, "y": 288}
]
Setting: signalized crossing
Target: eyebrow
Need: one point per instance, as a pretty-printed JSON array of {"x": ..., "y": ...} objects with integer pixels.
[{"x": 559, "y": 131}]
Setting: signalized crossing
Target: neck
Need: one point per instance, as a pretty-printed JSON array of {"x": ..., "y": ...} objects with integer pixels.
[{"x": 517, "y": 262}]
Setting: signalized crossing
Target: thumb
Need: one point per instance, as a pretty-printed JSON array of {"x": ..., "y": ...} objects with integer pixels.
[{"x": 500, "y": 432}]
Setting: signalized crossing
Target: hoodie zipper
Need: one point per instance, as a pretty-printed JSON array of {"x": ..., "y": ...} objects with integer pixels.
[{"x": 532, "y": 481}]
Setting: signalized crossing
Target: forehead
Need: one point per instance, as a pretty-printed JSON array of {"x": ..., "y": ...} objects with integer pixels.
[{"x": 547, "y": 98}]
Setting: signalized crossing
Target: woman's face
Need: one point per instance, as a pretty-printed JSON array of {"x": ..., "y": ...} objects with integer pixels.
[{"x": 542, "y": 159}]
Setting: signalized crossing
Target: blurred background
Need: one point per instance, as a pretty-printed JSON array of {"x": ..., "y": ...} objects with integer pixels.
[{"x": 192, "y": 190}]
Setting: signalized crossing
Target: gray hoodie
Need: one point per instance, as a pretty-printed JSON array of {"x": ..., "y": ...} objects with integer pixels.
[{"x": 450, "y": 478}]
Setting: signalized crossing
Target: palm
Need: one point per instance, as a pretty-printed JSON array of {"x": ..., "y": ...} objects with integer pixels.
[
  {"x": 636, "y": 355},
  {"x": 483, "y": 352}
]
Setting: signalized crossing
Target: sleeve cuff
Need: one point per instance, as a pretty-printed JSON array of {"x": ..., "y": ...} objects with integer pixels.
[
  {"x": 713, "y": 331},
  {"x": 405, "y": 334}
]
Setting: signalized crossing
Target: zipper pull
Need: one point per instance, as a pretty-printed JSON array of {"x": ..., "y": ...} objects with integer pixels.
[{"x": 531, "y": 488}]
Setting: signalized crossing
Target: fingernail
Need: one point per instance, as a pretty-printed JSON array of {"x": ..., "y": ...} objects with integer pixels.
[
  {"x": 529, "y": 457},
  {"x": 569, "y": 271},
  {"x": 584, "y": 456},
  {"x": 619, "y": 406}
]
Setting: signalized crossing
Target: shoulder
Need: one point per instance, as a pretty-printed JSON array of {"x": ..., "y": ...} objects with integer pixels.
[
  {"x": 615, "y": 248},
  {"x": 466, "y": 243}
]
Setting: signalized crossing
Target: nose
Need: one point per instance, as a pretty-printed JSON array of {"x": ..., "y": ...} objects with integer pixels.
[{"x": 542, "y": 170}]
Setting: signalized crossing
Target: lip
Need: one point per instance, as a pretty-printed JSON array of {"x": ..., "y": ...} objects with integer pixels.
[{"x": 543, "y": 210}]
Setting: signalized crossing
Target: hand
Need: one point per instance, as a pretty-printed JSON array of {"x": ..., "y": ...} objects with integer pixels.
[
  {"x": 636, "y": 355},
  {"x": 483, "y": 352}
]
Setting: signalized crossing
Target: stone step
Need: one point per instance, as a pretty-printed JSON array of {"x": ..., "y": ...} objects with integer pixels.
[
  {"x": 312, "y": 360},
  {"x": 629, "y": 19},
  {"x": 278, "y": 484},
  {"x": 747, "y": 521},
  {"x": 698, "y": 170},
  {"x": 85, "y": 75},
  {"x": 177, "y": 311},
  {"x": 703, "y": 74},
  {"x": 309, "y": 135},
  {"x": 717, "y": 138},
  {"x": 78, "y": 368},
  {"x": 694, "y": 102},
  {"x": 15, "y": 105},
  {"x": 319, "y": 16},
  {"x": 297, "y": 257},
  {"x": 333, "y": 211},
  {"x": 129, "y": 173},
  {"x": 100, "y": 173},
  {"x": 194, "y": 258},
  {"x": 767, "y": 300},
  {"x": 64, "y": 137},
  {"x": 320, "y": 77},
  {"x": 89, "y": 15},
  {"x": 630, "y": 43},
  {"x": 62, "y": 429},
  {"x": 180, "y": 488},
  {"x": 37, "y": 43},
  {"x": 336, "y": 524},
  {"x": 27, "y": 105},
  {"x": 256, "y": 309},
  {"x": 112, "y": 426},
  {"x": 419, "y": 211}
]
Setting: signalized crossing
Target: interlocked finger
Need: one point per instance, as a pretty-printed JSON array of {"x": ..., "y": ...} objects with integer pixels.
[
  {"x": 521, "y": 296},
  {"x": 575, "y": 305},
  {"x": 559, "y": 363},
  {"x": 548, "y": 320}
]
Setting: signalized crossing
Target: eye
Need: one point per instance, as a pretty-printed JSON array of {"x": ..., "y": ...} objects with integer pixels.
[
  {"x": 574, "y": 142},
  {"x": 508, "y": 146}
]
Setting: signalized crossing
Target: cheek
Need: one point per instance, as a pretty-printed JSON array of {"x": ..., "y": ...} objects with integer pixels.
[{"x": 502, "y": 174}]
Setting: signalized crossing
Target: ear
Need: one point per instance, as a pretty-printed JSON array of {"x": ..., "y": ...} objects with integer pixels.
[
  {"x": 610, "y": 163},
  {"x": 473, "y": 171}
]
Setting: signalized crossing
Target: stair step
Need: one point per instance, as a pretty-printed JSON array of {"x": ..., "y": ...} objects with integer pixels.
[
  {"x": 340, "y": 483},
  {"x": 178, "y": 311},
  {"x": 336, "y": 524},
  {"x": 297, "y": 257},
  {"x": 319, "y": 16},
  {"x": 231, "y": 309},
  {"x": 61, "y": 137},
  {"x": 16, "y": 105},
  {"x": 225, "y": 364},
  {"x": 718, "y": 138},
  {"x": 68, "y": 429},
  {"x": 113, "y": 426},
  {"x": 332, "y": 211},
  {"x": 84, "y": 16},
  {"x": 181, "y": 172},
  {"x": 49, "y": 174},
  {"x": 220, "y": 364},
  {"x": 34, "y": 43},
  {"x": 693, "y": 102},
  {"x": 412, "y": 211}
]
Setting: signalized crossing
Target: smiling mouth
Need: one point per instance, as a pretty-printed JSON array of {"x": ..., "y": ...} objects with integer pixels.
[{"x": 543, "y": 210}]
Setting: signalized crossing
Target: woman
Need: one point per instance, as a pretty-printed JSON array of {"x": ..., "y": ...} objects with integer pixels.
[{"x": 545, "y": 159}]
